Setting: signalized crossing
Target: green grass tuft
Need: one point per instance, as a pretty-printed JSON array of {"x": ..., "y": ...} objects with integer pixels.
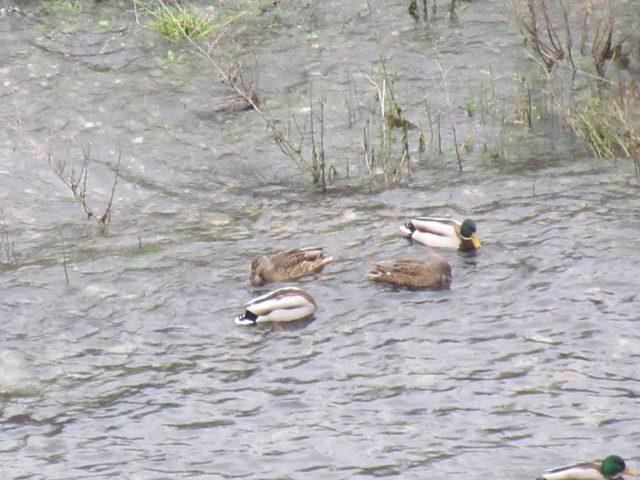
[
  {"x": 598, "y": 123},
  {"x": 176, "y": 21}
]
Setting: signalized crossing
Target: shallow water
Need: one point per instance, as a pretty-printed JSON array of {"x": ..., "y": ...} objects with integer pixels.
[{"x": 136, "y": 370}]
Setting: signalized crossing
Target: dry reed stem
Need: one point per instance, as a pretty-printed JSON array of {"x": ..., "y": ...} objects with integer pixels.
[
  {"x": 77, "y": 183},
  {"x": 7, "y": 244}
]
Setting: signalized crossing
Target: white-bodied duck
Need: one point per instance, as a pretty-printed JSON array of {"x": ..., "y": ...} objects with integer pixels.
[
  {"x": 610, "y": 468},
  {"x": 443, "y": 233},
  {"x": 282, "y": 305}
]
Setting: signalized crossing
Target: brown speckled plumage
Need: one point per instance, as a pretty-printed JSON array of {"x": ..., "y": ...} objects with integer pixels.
[
  {"x": 287, "y": 265},
  {"x": 412, "y": 273}
]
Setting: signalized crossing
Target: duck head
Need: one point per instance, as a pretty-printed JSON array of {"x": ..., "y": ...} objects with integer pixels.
[{"x": 468, "y": 233}]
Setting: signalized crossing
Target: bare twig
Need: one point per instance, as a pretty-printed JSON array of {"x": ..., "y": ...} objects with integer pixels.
[
  {"x": 540, "y": 32},
  {"x": 229, "y": 77},
  {"x": 64, "y": 259},
  {"x": 8, "y": 250},
  {"x": 77, "y": 183},
  {"x": 455, "y": 143},
  {"x": 413, "y": 9},
  {"x": 106, "y": 217},
  {"x": 567, "y": 33},
  {"x": 584, "y": 34},
  {"x": 452, "y": 9},
  {"x": 439, "y": 135},
  {"x": 322, "y": 161}
]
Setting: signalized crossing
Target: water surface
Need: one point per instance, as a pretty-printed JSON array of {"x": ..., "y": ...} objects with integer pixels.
[{"x": 136, "y": 370}]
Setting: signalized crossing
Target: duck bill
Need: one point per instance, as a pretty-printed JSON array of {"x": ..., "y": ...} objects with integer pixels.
[
  {"x": 475, "y": 241},
  {"x": 630, "y": 471}
]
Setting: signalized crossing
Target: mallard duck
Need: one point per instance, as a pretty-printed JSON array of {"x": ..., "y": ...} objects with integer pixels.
[
  {"x": 610, "y": 468},
  {"x": 443, "y": 232},
  {"x": 282, "y": 305},
  {"x": 287, "y": 265},
  {"x": 412, "y": 273}
]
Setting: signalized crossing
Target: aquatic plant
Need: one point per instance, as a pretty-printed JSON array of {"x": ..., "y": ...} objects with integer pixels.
[
  {"x": 7, "y": 245},
  {"x": 175, "y": 20},
  {"x": 308, "y": 157},
  {"x": 599, "y": 104},
  {"x": 606, "y": 127},
  {"x": 556, "y": 34},
  {"x": 414, "y": 8},
  {"x": 53, "y": 7},
  {"x": 386, "y": 116},
  {"x": 318, "y": 165},
  {"x": 76, "y": 180}
]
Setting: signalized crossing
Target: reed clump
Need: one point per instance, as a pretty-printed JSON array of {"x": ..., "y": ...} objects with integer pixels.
[
  {"x": 383, "y": 152},
  {"x": 587, "y": 55},
  {"x": 609, "y": 126}
]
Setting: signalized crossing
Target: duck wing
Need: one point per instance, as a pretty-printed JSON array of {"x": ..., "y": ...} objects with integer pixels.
[
  {"x": 411, "y": 272},
  {"x": 446, "y": 227},
  {"x": 283, "y": 298},
  {"x": 576, "y": 471},
  {"x": 298, "y": 256}
]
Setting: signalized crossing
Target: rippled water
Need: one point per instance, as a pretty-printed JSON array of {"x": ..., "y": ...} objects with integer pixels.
[{"x": 136, "y": 370}]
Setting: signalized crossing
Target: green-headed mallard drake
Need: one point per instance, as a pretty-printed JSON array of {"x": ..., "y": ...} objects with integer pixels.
[
  {"x": 443, "y": 232},
  {"x": 610, "y": 468},
  {"x": 413, "y": 274},
  {"x": 282, "y": 305},
  {"x": 287, "y": 265}
]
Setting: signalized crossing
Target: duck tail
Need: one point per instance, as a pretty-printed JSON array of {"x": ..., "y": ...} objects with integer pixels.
[
  {"x": 407, "y": 230},
  {"x": 326, "y": 260},
  {"x": 376, "y": 272},
  {"x": 247, "y": 318}
]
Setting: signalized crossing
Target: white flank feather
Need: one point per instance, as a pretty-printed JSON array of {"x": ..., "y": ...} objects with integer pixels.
[
  {"x": 437, "y": 226},
  {"x": 571, "y": 472},
  {"x": 433, "y": 240},
  {"x": 287, "y": 315},
  {"x": 281, "y": 303}
]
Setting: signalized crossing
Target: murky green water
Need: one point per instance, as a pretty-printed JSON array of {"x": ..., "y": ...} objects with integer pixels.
[{"x": 136, "y": 370}]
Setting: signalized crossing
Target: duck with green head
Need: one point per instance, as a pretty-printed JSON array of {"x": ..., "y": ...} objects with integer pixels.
[
  {"x": 443, "y": 233},
  {"x": 610, "y": 468}
]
